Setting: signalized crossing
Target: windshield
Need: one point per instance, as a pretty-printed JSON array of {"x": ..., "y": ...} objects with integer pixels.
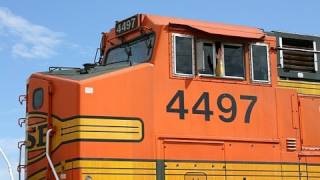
[{"x": 135, "y": 52}]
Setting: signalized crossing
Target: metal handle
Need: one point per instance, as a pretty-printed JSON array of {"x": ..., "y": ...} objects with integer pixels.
[
  {"x": 22, "y": 98},
  {"x": 48, "y": 155},
  {"x": 297, "y": 49},
  {"x": 21, "y": 166},
  {"x": 21, "y": 121}
]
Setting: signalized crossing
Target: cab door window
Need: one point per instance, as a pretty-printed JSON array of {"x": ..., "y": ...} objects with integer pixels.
[
  {"x": 183, "y": 58},
  {"x": 233, "y": 60},
  {"x": 260, "y": 63}
]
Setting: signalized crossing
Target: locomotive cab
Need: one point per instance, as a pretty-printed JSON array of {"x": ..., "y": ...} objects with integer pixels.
[{"x": 179, "y": 99}]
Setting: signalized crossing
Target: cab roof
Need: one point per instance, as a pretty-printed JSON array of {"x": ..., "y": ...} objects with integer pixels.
[{"x": 209, "y": 27}]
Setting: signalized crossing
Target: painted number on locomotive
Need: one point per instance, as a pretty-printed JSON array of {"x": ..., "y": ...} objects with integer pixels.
[{"x": 228, "y": 114}]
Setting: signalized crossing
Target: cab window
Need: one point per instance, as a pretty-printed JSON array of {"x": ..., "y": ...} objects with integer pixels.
[
  {"x": 233, "y": 60},
  {"x": 206, "y": 55},
  {"x": 134, "y": 52},
  {"x": 182, "y": 54},
  {"x": 220, "y": 60},
  {"x": 260, "y": 63}
]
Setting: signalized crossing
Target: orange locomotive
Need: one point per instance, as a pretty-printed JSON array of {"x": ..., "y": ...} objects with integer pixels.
[{"x": 183, "y": 100}]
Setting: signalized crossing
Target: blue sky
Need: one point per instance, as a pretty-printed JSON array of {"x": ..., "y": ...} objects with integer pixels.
[{"x": 37, "y": 34}]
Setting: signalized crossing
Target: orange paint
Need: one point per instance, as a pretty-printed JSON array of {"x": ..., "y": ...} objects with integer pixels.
[{"x": 144, "y": 91}]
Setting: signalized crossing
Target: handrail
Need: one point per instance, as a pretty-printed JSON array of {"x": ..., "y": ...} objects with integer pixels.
[
  {"x": 20, "y": 166},
  {"x": 8, "y": 163},
  {"x": 48, "y": 154},
  {"x": 297, "y": 49}
]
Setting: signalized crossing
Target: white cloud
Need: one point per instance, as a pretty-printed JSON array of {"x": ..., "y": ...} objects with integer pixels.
[{"x": 29, "y": 40}]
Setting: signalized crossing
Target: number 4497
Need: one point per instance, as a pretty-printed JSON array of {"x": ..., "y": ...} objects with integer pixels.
[{"x": 228, "y": 113}]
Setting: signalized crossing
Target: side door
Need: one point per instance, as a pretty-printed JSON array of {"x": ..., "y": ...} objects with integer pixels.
[{"x": 193, "y": 160}]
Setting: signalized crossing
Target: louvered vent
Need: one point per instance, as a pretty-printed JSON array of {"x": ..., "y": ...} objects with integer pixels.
[
  {"x": 298, "y": 55},
  {"x": 291, "y": 144}
]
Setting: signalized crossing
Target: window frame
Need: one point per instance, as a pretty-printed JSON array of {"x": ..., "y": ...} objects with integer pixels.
[
  {"x": 315, "y": 56},
  {"x": 203, "y": 41},
  {"x": 33, "y": 98},
  {"x": 174, "y": 58},
  {"x": 243, "y": 61},
  {"x": 268, "y": 63}
]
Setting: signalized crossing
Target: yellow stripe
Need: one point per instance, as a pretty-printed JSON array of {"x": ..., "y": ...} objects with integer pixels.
[
  {"x": 181, "y": 168},
  {"x": 314, "y": 171},
  {"x": 39, "y": 175},
  {"x": 35, "y": 134},
  {"x": 237, "y": 171},
  {"x": 110, "y": 164},
  {"x": 115, "y": 170},
  {"x": 36, "y": 158},
  {"x": 110, "y": 129},
  {"x": 310, "y": 88},
  {"x": 97, "y": 129},
  {"x": 146, "y": 170}
]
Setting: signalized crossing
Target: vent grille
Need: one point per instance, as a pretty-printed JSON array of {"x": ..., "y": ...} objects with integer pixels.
[
  {"x": 298, "y": 55},
  {"x": 291, "y": 144}
]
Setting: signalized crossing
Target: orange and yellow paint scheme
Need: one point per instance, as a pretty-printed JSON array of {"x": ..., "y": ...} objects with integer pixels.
[{"x": 138, "y": 122}]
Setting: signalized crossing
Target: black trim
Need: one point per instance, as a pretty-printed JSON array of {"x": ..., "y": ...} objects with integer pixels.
[
  {"x": 39, "y": 158},
  {"x": 133, "y": 127},
  {"x": 188, "y": 161},
  {"x": 122, "y": 174},
  {"x": 160, "y": 169},
  {"x": 109, "y": 159},
  {"x": 129, "y": 132}
]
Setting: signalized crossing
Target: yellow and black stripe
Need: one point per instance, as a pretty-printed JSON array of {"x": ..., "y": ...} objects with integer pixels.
[
  {"x": 302, "y": 87},
  {"x": 137, "y": 169},
  {"x": 84, "y": 128}
]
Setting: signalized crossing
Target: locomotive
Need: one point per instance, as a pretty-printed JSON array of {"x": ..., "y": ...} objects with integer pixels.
[{"x": 178, "y": 99}]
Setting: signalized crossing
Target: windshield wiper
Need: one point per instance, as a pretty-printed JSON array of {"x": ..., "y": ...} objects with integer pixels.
[{"x": 129, "y": 53}]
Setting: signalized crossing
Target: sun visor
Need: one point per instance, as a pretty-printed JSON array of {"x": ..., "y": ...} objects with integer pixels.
[{"x": 225, "y": 30}]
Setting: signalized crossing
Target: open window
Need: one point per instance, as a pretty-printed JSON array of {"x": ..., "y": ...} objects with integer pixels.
[
  {"x": 183, "y": 55},
  {"x": 298, "y": 56},
  {"x": 206, "y": 58},
  {"x": 220, "y": 60},
  {"x": 260, "y": 68}
]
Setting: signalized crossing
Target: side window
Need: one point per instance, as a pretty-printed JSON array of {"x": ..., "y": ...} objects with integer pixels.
[
  {"x": 37, "y": 99},
  {"x": 206, "y": 58},
  {"x": 260, "y": 63},
  {"x": 183, "y": 58},
  {"x": 220, "y": 60},
  {"x": 233, "y": 61}
]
